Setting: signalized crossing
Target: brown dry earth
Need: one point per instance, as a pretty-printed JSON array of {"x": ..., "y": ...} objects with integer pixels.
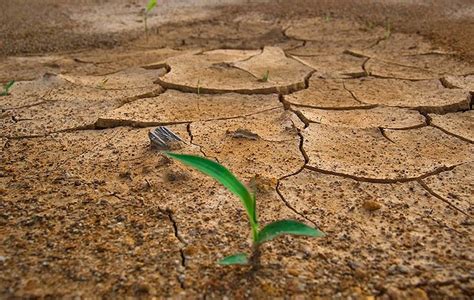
[{"x": 361, "y": 131}]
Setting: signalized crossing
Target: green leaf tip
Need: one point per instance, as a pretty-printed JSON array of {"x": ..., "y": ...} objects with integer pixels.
[
  {"x": 7, "y": 87},
  {"x": 236, "y": 259},
  {"x": 282, "y": 227},
  {"x": 151, "y": 4},
  {"x": 9, "y": 84},
  {"x": 222, "y": 175}
]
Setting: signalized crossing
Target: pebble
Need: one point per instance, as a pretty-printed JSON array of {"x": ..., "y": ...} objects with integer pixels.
[
  {"x": 401, "y": 269},
  {"x": 371, "y": 205}
]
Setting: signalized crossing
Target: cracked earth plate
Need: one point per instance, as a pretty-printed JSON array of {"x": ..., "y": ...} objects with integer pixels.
[
  {"x": 334, "y": 66},
  {"x": 456, "y": 187},
  {"x": 426, "y": 95},
  {"x": 398, "y": 44},
  {"x": 325, "y": 94},
  {"x": 388, "y": 156},
  {"x": 399, "y": 239},
  {"x": 53, "y": 104},
  {"x": 54, "y": 116},
  {"x": 240, "y": 71},
  {"x": 178, "y": 107},
  {"x": 385, "y": 117},
  {"x": 332, "y": 31},
  {"x": 418, "y": 67},
  {"x": 270, "y": 149},
  {"x": 459, "y": 82},
  {"x": 127, "y": 79},
  {"x": 460, "y": 124},
  {"x": 27, "y": 93}
]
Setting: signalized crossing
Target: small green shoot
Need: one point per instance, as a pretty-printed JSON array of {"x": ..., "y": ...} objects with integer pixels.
[
  {"x": 265, "y": 76},
  {"x": 102, "y": 83},
  {"x": 7, "y": 87},
  {"x": 327, "y": 17},
  {"x": 269, "y": 232},
  {"x": 388, "y": 30},
  {"x": 149, "y": 7},
  {"x": 199, "y": 87}
]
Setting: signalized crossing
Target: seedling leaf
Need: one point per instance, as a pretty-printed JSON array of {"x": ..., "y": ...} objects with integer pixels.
[
  {"x": 281, "y": 227},
  {"x": 7, "y": 87},
  {"x": 151, "y": 4},
  {"x": 236, "y": 259},
  {"x": 222, "y": 175},
  {"x": 265, "y": 76}
]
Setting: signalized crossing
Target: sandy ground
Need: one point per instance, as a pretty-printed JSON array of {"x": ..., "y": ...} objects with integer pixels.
[{"x": 363, "y": 128}]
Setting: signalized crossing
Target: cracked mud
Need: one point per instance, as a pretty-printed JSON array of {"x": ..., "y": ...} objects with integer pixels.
[{"x": 367, "y": 137}]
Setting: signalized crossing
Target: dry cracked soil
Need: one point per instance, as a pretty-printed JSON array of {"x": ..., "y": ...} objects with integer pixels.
[{"x": 359, "y": 129}]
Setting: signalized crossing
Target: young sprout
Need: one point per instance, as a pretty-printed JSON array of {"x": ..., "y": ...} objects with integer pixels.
[
  {"x": 327, "y": 17},
  {"x": 102, "y": 83},
  {"x": 388, "y": 30},
  {"x": 199, "y": 87},
  {"x": 149, "y": 7},
  {"x": 269, "y": 232},
  {"x": 7, "y": 87},
  {"x": 265, "y": 76}
]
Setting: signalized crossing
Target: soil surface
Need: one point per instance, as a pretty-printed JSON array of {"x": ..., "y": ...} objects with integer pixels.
[{"x": 354, "y": 117}]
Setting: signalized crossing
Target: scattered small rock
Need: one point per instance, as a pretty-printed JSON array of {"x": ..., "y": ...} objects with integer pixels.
[
  {"x": 398, "y": 269},
  {"x": 371, "y": 205},
  {"x": 243, "y": 134},
  {"x": 175, "y": 176}
]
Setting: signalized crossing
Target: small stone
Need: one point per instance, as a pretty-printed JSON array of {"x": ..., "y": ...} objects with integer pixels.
[
  {"x": 398, "y": 269},
  {"x": 294, "y": 272},
  {"x": 243, "y": 134},
  {"x": 371, "y": 205},
  {"x": 175, "y": 176}
]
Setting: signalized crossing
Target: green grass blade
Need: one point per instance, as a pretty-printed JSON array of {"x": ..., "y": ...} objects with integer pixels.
[
  {"x": 151, "y": 4},
  {"x": 222, "y": 175},
  {"x": 9, "y": 85},
  {"x": 281, "y": 227},
  {"x": 236, "y": 259}
]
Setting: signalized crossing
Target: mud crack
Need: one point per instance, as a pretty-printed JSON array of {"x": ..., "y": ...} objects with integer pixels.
[
  {"x": 181, "y": 276},
  {"x": 383, "y": 180},
  {"x": 382, "y": 131},
  {"x": 277, "y": 188},
  {"x": 200, "y": 147},
  {"x": 367, "y": 105},
  {"x": 436, "y": 195},
  {"x": 452, "y": 134}
]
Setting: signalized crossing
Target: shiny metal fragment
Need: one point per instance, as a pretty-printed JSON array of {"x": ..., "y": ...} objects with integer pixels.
[{"x": 161, "y": 138}]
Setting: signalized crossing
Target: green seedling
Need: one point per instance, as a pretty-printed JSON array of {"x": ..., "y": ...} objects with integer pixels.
[
  {"x": 265, "y": 76},
  {"x": 327, "y": 17},
  {"x": 199, "y": 87},
  {"x": 7, "y": 87},
  {"x": 269, "y": 232},
  {"x": 388, "y": 30},
  {"x": 149, "y": 7},
  {"x": 102, "y": 83}
]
